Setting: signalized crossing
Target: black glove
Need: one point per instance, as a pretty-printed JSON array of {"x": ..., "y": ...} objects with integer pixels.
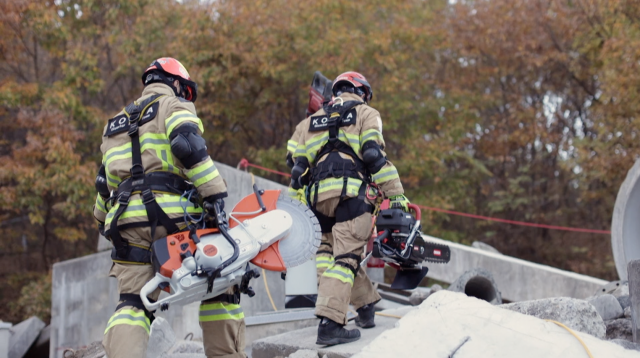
[{"x": 214, "y": 206}]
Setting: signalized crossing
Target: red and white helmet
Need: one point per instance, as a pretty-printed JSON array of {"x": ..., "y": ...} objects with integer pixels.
[
  {"x": 357, "y": 80},
  {"x": 172, "y": 70}
]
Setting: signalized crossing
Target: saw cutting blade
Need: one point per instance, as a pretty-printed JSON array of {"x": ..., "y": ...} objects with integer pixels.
[
  {"x": 303, "y": 240},
  {"x": 436, "y": 253}
]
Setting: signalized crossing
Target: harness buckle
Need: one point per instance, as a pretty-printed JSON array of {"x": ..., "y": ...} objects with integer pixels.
[
  {"x": 147, "y": 196},
  {"x": 123, "y": 198},
  {"x": 137, "y": 174}
]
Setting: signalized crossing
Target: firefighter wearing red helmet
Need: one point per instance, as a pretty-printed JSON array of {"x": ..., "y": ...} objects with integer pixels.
[
  {"x": 152, "y": 152},
  {"x": 337, "y": 152}
]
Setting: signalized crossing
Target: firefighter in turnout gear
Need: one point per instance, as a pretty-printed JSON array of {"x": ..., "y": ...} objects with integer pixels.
[
  {"x": 153, "y": 153},
  {"x": 338, "y": 153}
]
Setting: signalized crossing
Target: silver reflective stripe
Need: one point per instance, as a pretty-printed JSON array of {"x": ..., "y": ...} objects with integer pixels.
[
  {"x": 113, "y": 154},
  {"x": 220, "y": 311},
  {"x": 203, "y": 173},
  {"x": 163, "y": 154},
  {"x": 345, "y": 275},
  {"x": 153, "y": 141},
  {"x": 186, "y": 115},
  {"x": 377, "y": 177},
  {"x": 129, "y": 317}
]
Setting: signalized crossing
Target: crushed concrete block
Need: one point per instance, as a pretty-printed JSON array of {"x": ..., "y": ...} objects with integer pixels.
[
  {"x": 576, "y": 314},
  {"x": 304, "y": 353},
  {"x": 23, "y": 335},
  {"x": 187, "y": 347},
  {"x": 419, "y": 295},
  {"x": 615, "y": 288},
  {"x": 626, "y": 344},
  {"x": 619, "y": 329},
  {"x": 478, "y": 283},
  {"x": 607, "y": 306},
  {"x": 161, "y": 338},
  {"x": 436, "y": 288},
  {"x": 627, "y": 312},
  {"x": 624, "y": 301},
  {"x": 486, "y": 247},
  {"x": 184, "y": 355},
  {"x": 450, "y": 324},
  {"x": 93, "y": 350}
]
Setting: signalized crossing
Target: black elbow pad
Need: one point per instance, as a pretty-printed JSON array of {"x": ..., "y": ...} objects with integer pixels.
[
  {"x": 101, "y": 183},
  {"x": 188, "y": 146},
  {"x": 372, "y": 157},
  {"x": 300, "y": 173}
]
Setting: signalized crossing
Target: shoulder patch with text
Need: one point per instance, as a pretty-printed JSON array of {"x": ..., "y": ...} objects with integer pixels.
[
  {"x": 150, "y": 114},
  {"x": 117, "y": 125},
  {"x": 319, "y": 123}
]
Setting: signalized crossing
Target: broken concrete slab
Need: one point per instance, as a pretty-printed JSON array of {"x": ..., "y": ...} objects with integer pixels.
[
  {"x": 183, "y": 347},
  {"x": 161, "y": 338},
  {"x": 23, "y": 335},
  {"x": 478, "y": 283},
  {"x": 626, "y": 344},
  {"x": 624, "y": 301},
  {"x": 288, "y": 343},
  {"x": 633, "y": 270},
  {"x": 607, "y": 306},
  {"x": 304, "y": 353},
  {"x": 619, "y": 329},
  {"x": 41, "y": 346},
  {"x": 450, "y": 323},
  {"x": 576, "y": 314}
]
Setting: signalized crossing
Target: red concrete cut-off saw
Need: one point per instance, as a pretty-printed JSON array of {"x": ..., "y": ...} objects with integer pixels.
[{"x": 267, "y": 228}]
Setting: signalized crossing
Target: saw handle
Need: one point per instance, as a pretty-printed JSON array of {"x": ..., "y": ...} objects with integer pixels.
[
  {"x": 416, "y": 209},
  {"x": 259, "y": 193},
  {"x": 148, "y": 289}
]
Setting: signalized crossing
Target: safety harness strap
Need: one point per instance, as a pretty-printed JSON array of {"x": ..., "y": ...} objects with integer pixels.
[
  {"x": 133, "y": 300},
  {"x": 347, "y": 265},
  {"x": 155, "y": 214}
]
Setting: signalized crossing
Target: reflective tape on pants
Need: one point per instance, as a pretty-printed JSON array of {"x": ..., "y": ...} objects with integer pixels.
[
  {"x": 129, "y": 317},
  {"x": 220, "y": 311}
]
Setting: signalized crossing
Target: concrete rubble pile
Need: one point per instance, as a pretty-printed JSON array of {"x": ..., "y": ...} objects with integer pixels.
[{"x": 449, "y": 324}]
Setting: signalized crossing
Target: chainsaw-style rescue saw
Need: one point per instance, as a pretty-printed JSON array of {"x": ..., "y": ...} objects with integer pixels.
[
  {"x": 267, "y": 228},
  {"x": 399, "y": 244}
]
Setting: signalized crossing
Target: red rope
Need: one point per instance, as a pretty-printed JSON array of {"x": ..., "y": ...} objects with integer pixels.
[
  {"x": 522, "y": 223},
  {"x": 244, "y": 163}
]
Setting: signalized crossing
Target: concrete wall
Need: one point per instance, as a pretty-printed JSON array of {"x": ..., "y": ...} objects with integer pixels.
[{"x": 518, "y": 280}]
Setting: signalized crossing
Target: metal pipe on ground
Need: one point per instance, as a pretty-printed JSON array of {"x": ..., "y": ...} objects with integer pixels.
[{"x": 478, "y": 283}]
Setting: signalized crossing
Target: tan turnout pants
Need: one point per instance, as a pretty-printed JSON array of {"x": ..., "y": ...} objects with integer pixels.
[
  {"x": 337, "y": 286},
  {"x": 127, "y": 332}
]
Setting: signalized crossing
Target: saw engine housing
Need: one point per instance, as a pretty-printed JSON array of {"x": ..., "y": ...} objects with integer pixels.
[
  {"x": 399, "y": 240},
  {"x": 201, "y": 264}
]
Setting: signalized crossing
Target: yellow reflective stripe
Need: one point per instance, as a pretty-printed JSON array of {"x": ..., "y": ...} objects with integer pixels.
[
  {"x": 202, "y": 173},
  {"x": 293, "y": 194},
  {"x": 179, "y": 117},
  {"x": 313, "y": 147},
  {"x": 340, "y": 273},
  {"x": 352, "y": 139},
  {"x": 385, "y": 174},
  {"x": 148, "y": 141},
  {"x": 292, "y": 145},
  {"x": 170, "y": 204},
  {"x": 324, "y": 261},
  {"x": 353, "y": 186},
  {"x": 100, "y": 204},
  {"x": 129, "y": 317},
  {"x": 371, "y": 134},
  {"x": 220, "y": 311}
]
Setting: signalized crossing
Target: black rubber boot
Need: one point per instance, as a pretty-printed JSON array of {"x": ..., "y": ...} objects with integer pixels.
[
  {"x": 366, "y": 316},
  {"x": 331, "y": 333}
]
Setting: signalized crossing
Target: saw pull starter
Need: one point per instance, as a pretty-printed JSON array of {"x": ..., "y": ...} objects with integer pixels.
[
  {"x": 267, "y": 229},
  {"x": 399, "y": 243}
]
